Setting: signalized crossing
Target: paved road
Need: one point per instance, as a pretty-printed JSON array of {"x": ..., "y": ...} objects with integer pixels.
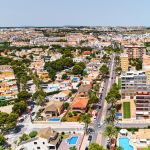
[{"x": 94, "y": 128}]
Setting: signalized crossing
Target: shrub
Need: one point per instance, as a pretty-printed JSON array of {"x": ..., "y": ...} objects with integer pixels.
[
  {"x": 66, "y": 105},
  {"x": 74, "y": 132},
  {"x": 54, "y": 92},
  {"x": 79, "y": 84},
  {"x": 63, "y": 119},
  {"x": 62, "y": 133},
  {"x": 69, "y": 114},
  {"x": 73, "y": 90},
  {"x": 75, "y": 113},
  {"x": 33, "y": 134}
]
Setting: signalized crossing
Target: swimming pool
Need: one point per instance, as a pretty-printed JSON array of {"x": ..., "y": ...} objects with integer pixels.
[
  {"x": 75, "y": 79},
  {"x": 124, "y": 142},
  {"x": 54, "y": 119},
  {"x": 73, "y": 140}
]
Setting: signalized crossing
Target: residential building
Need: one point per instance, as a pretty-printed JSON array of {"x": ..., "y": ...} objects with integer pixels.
[
  {"x": 62, "y": 96},
  {"x": 44, "y": 76},
  {"x": 142, "y": 101},
  {"x": 88, "y": 81},
  {"x": 135, "y": 51},
  {"x": 124, "y": 62},
  {"x": 8, "y": 86},
  {"x": 46, "y": 139},
  {"x": 146, "y": 59},
  {"x": 83, "y": 91},
  {"x": 129, "y": 80},
  {"x": 78, "y": 59},
  {"x": 79, "y": 104},
  {"x": 53, "y": 108}
]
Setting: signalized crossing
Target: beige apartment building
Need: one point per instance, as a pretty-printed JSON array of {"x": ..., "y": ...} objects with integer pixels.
[
  {"x": 146, "y": 67},
  {"x": 124, "y": 62},
  {"x": 135, "y": 51}
]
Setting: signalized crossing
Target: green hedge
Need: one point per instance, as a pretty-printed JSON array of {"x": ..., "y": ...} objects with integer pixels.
[
  {"x": 33, "y": 134},
  {"x": 129, "y": 129},
  {"x": 54, "y": 92}
]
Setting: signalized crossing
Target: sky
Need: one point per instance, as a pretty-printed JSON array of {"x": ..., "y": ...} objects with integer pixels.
[{"x": 16, "y": 13}]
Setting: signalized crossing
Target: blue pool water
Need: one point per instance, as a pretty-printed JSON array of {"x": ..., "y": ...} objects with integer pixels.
[
  {"x": 73, "y": 140},
  {"x": 75, "y": 79},
  {"x": 53, "y": 87},
  {"x": 54, "y": 119},
  {"x": 124, "y": 142}
]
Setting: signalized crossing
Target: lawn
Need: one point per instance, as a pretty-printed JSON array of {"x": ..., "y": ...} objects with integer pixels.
[
  {"x": 145, "y": 148},
  {"x": 126, "y": 109},
  {"x": 64, "y": 136},
  {"x": 119, "y": 83}
]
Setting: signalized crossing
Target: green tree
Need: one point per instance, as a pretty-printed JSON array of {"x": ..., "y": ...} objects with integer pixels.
[
  {"x": 81, "y": 64},
  {"x": 24, "y": 80},
  {"x": 117, "y": 58},
  {"x": 19, "y": 107},
  {"x": 64, "y": 76},
  {"x": 37, "y": 93},
  {"x": 24, "y": 95},
  {"x": 93, "y": 99},
  {"x": 109, "y": 132},
  {"x": 33, "y": 134},
  {"x": 66, "y": 105},
  {"x": 72, "y": 148},
  {"x": 77, "y": 70},
  {"x": 2, "y": 139},
  {"x": 112, "y": 101},
  {"x": 112, "y": 114},
  {"x": 104, "y": 70},
  {"x": 119, "y": 148},
  {"x": 40, "y": 100},
  {"x": 107, "y": 120},
  {"x": 70, "y": 94},
  {"x": 118, "y": 69},
  {"x": 87, "y": 121},
  {"x": 95, "y": 146}
]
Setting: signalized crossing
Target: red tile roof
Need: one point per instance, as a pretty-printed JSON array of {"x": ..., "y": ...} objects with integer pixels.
[{"x": 80, "y": 102}]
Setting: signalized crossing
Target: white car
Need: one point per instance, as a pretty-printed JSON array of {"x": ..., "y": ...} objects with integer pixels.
[
  {"x": 95, "y": 118},
  {"x": 108, "y": 140}
]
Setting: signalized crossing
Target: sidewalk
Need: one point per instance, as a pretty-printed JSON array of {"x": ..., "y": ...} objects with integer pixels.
[{"x": 83, "y": 146}]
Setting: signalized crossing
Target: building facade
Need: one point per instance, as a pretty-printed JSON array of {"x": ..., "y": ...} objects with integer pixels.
[
  {"x": 135, "y": 51},
  {"x": 142, "y": 102},
  {"x": 129, "y": 80},
  {"x": 124, "y": 62}
]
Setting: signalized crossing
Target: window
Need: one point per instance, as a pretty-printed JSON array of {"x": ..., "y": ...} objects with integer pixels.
[
  {"x": 38, "y": 147},
  {"x": 43, "y": 142},
  {"x": 35, "y": 142}
]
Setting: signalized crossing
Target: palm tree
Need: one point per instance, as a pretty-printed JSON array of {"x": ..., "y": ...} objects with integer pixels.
[
  {"x": 107, "y": 120},
  {"x": 119, "y": 148},
  {"x": 87, "y": 120},
  {"x": 112, "y": 101},
  {"x": 24, "y": 80},
  {"x": 109, "y": 131},
  {"x": 40, "y": 100},
  {"x": 112, "y": 114}
]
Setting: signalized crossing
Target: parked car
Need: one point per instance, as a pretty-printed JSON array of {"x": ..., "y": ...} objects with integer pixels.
[
  {"x": 98, "y": 125},
  {"x": 111, "y": 77},
  {"x": 95, "y": 118},
  {"x": 33, "y": 113},
  {"x": 96, "y": 114},
  {"x": 108, "y": 140},
  {"x": 90, "y": 138},
  {"x": 21, "y": 120}
]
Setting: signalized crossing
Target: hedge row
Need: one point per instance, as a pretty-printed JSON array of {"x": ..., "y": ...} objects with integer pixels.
[{"x": 54, "y": 92}]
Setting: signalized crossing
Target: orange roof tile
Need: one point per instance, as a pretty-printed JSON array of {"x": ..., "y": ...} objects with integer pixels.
[{"x": 80, "y": 102}]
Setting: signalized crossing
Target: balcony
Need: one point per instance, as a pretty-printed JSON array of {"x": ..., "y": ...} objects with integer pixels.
[{"x": 142, "y": 105}]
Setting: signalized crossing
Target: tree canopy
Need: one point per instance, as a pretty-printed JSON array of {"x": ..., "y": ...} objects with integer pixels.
[
  {"x": 95, "y": 146},
  {"x": 24, "y": 95},
  {"x": 19, "y": 107}
]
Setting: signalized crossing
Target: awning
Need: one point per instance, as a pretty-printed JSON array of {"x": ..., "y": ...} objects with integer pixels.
[
  {"x": 2, "y": 98},
  {"x": 123, "y": 131},
  {"x": 143, "y": 140}
]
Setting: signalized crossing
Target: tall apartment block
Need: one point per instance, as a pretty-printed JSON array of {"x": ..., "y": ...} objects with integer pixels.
[
  {"x": 129, "y": 80},
  {"x": 146, "y": 67},
  {"x": 8, "y": 87},
  {"x": 142, "y": 102},
  {"x": 124, "y": 62},
  {"x": 135, "y": 51}
]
